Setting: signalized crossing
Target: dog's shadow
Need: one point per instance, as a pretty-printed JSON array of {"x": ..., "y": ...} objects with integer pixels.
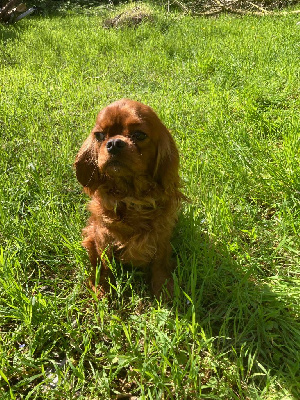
[
  {"x": 227, "y": 300},
  {"x": 232, "y": 304}
]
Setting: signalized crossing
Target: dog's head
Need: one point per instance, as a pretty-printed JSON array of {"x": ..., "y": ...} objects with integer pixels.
[{"x": 128, "y": 141}]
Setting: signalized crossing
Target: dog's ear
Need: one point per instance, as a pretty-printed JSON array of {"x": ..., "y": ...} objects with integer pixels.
[
  {"x": 167, "y": 161},
  {"x": 86, "y": 165}
]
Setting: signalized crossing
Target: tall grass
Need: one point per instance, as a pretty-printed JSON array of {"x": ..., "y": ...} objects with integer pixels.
[{"x": 228, "y": 89}]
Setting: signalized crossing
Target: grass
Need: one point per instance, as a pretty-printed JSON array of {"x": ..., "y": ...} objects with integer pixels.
[{"x": 229, "y": 89}]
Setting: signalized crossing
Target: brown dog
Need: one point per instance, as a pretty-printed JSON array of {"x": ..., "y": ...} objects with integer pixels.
[{"x": 129, "y": 167}]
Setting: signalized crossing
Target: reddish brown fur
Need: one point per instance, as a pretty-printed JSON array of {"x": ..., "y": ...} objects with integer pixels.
[{"x": 134, "y": 194}]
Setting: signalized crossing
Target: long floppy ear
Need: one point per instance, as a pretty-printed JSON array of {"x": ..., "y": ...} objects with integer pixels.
[
  {"x": 167, "y": 161},
  {"x": 86, "y": 166}
]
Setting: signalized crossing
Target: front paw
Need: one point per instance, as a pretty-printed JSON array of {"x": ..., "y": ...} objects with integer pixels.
[
  {"x": 163, "y": 287},
  {"x": 100, "y": 290},
  {"x": 100, "y": 285}
]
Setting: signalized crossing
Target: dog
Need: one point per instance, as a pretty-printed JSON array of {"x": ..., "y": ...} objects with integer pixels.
[{"x": 128, "y": 165}]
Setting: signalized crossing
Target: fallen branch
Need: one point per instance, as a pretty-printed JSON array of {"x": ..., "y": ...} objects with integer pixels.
[
  {"x": 5, "y": 11},
  {"x": 232, "y": 10},
  {"x": 240, "y": 7},
  {"x": 288, "y": 12},
  {"x": 13, "y": 11},
  {"x": 260, "y": 14}
]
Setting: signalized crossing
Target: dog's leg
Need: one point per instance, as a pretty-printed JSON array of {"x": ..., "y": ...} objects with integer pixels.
[
  {"x": 100, "y": 272},
  {"x": 161, "y": 274}
]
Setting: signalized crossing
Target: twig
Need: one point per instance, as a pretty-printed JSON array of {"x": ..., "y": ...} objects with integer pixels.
[
  {"x": 186, "y": 9},
  {"x": 258, "y": 7},
  {"x": 288, "y": 12}
]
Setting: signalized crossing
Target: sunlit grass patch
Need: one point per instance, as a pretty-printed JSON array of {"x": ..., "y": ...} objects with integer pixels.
[{"x": 229, "y": 91}]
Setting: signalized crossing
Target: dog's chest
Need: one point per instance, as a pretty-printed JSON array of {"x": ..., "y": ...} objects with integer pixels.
[{"x": 134, "y": 235}]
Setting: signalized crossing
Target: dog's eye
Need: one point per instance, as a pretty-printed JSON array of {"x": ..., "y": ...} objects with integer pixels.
[
  {"x": 138, "y": 135},
  {"x": 99, "y": 136}
]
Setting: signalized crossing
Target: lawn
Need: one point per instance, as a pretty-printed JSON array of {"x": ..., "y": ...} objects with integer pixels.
[{"x": 229, "y": 90}]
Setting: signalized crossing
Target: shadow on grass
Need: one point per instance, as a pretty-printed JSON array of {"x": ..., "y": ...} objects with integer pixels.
[
  {"x": 59, "y": 7},
  {"x": 233, "y": 304},
  {"x": 9, "y": 32},
  {"x": 50, "y": 8}
]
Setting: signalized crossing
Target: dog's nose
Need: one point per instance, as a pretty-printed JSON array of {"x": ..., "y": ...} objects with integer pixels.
[{"x": 114, "y": 146}]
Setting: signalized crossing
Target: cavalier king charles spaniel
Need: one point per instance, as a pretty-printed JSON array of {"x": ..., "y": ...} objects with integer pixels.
[{"x": 128, "y": 165}]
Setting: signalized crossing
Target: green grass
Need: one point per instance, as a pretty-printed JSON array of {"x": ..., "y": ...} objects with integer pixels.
[{"x": 229, "y": 90}]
